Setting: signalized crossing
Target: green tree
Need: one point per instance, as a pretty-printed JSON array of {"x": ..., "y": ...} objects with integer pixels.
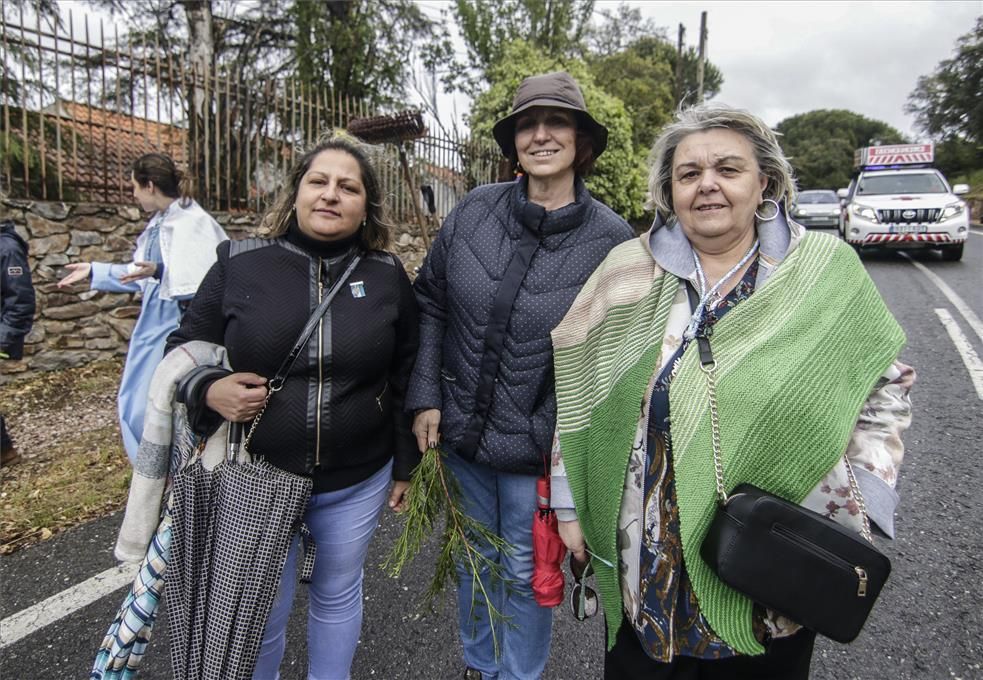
[
  {"x": 19, "y": 65},
  {"x": 626, "y": 30},
  {"x": 556, "y": 28},
  {"x": 618, "y": 178},
  {"x": 643, "y": 84},
  {"x": 820, "y": 144},
  {"x": 361, "y": 48},
  {"x": 712, "y": 77},
  {"x": 949, "y": 103},
  {"x": 956, "y": 156},
  {"x": 618, "y": 28},
  {"x": 635, "y": 61},
  {"x": 643, "y": 76},
  {"x": 25, "y": 76}
]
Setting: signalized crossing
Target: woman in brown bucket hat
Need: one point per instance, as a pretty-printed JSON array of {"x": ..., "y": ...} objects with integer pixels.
[{"x": 505, "y": 267}]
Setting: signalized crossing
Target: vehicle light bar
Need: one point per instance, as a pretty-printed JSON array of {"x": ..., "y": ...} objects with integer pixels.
[
  {"x": 893, "y": 155},
  {"x": 912, "y": 166}
]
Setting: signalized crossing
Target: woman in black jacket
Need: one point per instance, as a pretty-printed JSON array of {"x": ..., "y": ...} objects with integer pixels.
[
  {"x": 339, "y": 416},
  {"x": 506, "y": 265}
]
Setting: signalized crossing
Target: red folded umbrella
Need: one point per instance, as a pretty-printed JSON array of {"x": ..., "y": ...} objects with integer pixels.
[{"x": 548, "y": 550}]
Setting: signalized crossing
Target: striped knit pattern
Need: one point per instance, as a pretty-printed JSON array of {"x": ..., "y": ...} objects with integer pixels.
[
  {"x": 126, "y": 641},
  {"x": 795, "y": 363}
]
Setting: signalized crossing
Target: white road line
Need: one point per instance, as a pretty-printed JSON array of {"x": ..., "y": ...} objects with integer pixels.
[
  {"x": 957, "y": 302},
  {"x": 965, "y": 349},
  {"x": 974, "y": 231},
  {"x": 27, "y": 621}
]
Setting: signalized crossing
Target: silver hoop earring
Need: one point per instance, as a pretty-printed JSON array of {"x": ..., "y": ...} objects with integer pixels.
[{"x": 768, "y": 219}]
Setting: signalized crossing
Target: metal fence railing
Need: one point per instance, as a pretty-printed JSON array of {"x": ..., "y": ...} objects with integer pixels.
[{"x": 79, "y": 106}]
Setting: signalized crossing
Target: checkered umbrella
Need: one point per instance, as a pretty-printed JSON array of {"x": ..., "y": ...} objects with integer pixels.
[
  {"x": 187, "y": 577},
  {"x": 126, "y": 640},
  {"x": 232, "y": 530}
]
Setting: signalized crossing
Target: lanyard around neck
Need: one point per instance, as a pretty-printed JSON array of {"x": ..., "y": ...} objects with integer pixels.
[{"x": 707, "y": 295}]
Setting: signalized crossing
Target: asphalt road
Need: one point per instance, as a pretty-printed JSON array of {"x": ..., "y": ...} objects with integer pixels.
[{"x": 927, "y": 624}]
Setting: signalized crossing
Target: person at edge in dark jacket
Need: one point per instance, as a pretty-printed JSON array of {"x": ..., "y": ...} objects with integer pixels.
[
  {"x": 17, "y": 306},
  {"x": 340, "y": 415},
  {"x": 504, "y": 268}
]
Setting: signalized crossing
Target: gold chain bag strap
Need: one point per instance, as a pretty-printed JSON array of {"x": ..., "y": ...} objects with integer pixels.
[{"x": 792, "y": 560}]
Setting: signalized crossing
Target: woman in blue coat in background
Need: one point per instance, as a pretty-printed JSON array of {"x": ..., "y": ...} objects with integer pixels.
[{"x": 172, "y": 256}]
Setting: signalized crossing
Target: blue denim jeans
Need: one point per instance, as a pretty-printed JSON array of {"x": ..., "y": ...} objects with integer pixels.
[
  {"x": 342, "y": 523},
  {"x": 504, "y": 502}
]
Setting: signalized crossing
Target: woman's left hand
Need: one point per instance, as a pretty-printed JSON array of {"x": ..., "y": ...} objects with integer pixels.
[
  {"x": 144, "y": 270},
  {"x": 573, "y": 537},
  {"x": 398, "y": 496}
]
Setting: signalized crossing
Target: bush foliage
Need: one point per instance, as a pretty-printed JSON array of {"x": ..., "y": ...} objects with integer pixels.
[{"x": 618, "y": 178}]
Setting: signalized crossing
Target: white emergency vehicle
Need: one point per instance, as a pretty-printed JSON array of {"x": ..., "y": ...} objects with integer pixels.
[{"x": 896, "y": 199}]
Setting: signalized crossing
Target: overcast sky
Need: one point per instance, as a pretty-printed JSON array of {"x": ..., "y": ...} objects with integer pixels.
[{"x": 783, "y": 58}]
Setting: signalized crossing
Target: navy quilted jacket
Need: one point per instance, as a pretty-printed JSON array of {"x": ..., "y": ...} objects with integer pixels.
[{"x": 499, "y": 277}]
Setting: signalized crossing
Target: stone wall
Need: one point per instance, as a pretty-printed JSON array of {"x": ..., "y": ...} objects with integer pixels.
[{"x": 77, "y": 326}]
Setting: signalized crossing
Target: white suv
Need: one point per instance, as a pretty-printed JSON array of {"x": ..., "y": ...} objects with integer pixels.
[{"x": 905, "y": 208}]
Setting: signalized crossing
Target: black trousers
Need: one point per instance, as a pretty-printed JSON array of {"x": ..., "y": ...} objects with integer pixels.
[{"x": 784, "y": 659}]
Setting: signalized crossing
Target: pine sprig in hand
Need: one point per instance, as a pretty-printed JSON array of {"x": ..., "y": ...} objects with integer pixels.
[{"x": 434, "y": 491}]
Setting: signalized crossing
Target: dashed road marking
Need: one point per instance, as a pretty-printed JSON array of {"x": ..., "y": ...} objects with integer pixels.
[
  {"x": 957, "y": 302},
  {"x": 965, "y": 349},
  {"x": 35, "y": 617}
]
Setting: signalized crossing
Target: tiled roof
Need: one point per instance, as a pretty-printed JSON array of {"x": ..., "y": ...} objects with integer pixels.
[{"x": 98, "y": 146}]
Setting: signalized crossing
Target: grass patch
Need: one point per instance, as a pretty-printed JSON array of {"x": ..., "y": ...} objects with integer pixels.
[
  {"x": 89, "y": 479},
  {"x": 72, "y": 467},
  {"x": 55, "y": 390}
]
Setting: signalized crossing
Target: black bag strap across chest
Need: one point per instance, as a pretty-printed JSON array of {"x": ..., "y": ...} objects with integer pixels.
[
  {"x": 501, "y": 311},
  {"x": 276, "y": 383},
  {"x": 281, "y": 373}
]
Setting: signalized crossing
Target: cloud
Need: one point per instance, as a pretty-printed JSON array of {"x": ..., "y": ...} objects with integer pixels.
[{"x": 783, "y": 58}]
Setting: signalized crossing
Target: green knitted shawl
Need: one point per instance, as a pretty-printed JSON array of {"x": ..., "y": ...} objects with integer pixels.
[{"x": 795, "y": 363}]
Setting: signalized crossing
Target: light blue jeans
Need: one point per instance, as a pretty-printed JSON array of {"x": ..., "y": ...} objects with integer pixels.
[
  {"x": 504, "y": 502},
  {"x": 342, "y": 523}
]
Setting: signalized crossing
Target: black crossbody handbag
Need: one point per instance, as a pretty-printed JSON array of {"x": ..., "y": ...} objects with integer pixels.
[{"x": 792, "y": 560}]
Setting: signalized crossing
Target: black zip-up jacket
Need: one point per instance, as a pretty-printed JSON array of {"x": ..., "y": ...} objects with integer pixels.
[
  {"x": 339, "y": 417},
  {"x": 17, "y": 301}
]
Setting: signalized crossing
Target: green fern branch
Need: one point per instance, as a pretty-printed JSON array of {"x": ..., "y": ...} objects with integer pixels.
[{"x": 434, "y": 493}]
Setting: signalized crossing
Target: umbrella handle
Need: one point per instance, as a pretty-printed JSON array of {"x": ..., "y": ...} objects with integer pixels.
[
  {"x": 235, "y": 440},
  {"x": 543, "y": 493}
]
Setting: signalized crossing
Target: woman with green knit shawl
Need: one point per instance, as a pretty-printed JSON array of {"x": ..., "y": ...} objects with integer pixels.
[{"x": 808, "y": 388}]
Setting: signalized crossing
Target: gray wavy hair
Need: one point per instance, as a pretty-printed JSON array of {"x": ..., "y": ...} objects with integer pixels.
[{"x": 764, "y": 141}]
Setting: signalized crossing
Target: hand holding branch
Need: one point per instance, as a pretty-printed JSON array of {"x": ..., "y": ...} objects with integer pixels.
[{"x": 426, "y": 425}]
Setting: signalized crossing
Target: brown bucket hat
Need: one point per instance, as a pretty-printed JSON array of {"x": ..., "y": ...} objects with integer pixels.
[{"x": 557, "y": 89}]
